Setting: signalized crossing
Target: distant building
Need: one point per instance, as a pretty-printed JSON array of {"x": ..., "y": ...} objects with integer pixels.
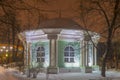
[{"x": 60, "y": 45}]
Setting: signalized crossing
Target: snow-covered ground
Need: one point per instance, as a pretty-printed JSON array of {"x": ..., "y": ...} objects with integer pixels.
[
  {"x": 6, "y": 74},
  {"x": 111, "y": 75}
]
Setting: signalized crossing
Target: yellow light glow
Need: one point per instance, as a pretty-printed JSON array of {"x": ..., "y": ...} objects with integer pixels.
[
  {"x": 1, "y": 50},
  {"x": 6, "y": 55},
  {"x": 3, "y": 47},
  {"x": 11, "y": 47},
  {"x": 6, "y": 50}
]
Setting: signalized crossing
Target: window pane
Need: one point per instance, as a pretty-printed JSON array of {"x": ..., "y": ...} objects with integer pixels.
[
  {"x": 67, "y": 49},
  {"x": 66, "y": 59},
  {"x": 71, "y": 59},
  {"x": 71, "y": 49},
  {"x": 38, "y": 59},
  {"x": 42, "y": 59},
  {"x": 69, "y": 54},
  {"x": 42, "y": 54},
  {"x": 72, "y": 54},
  {"x": 38, "y": 54},
  {"x": 42, "y": 49},
  {"x": 66, "y": 53},
  {"x": 38, "y": 49}
]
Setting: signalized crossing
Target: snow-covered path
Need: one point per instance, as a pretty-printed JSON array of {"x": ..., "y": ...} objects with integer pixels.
[
  {"x": 6, "y": 74},
  {"x": 111, "y": 75}
]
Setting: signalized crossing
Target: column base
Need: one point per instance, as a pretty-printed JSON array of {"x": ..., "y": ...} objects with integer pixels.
[
  {"x": 87, "y": 69},
  {"x": 27, "y": 72},
  {"x": 96, "y": 68},
  {"x": 52, "y": 70}
]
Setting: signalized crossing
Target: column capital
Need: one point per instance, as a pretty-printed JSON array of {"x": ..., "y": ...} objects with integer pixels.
[{"x": 52, "y": 36}]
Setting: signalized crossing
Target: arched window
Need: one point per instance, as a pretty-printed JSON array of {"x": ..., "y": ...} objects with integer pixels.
[
  {"x": 69, "y": 54},
  {"x": 40, "y": 54}
]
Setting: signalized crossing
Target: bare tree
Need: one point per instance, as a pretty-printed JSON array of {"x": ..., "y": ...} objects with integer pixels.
[
  {"x": 11, "y": 25},
  {"x": 105, "y": 14}
]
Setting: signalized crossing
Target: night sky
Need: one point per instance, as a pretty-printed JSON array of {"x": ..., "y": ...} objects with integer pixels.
[{"x": 29, "y": 13}]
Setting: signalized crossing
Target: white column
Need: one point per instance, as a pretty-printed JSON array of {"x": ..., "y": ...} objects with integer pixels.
[
  {"x": 28, "y": 59},
  {"x": 95, "y": 53},
  {"x": 53, "y": 53},
  {"x": 92, "y": 54},
  {"x": 87, "y": 53},
  {"x": 28, "y": 54},
  {"x": 81, "y": 53},
  {"x": 25, "y": 54}
]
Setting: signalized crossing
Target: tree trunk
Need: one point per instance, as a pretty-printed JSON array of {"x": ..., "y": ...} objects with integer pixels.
[
  {"x": 103, "y": 67},
  {"x": 116, "y": 60},
  {"x": 108, "y": 51},
  {"x": 13, "y": 43}
]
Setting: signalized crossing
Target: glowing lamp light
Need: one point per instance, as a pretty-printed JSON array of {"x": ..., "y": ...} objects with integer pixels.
[
  {"x": 11, "y": 47},
  {"x": 1, "y": 50},
  {"x": 6, "y": 50},
  {"x": 3, "y": 47},
  {"x": 6, "y": 55}
]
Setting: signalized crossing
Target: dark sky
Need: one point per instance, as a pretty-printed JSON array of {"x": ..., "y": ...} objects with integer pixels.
[
  {"x": 55, "y": 9},
  {"x": 59, "y": 8}
]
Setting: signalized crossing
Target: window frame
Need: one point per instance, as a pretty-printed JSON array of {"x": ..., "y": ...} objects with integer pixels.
[
  {"x": 69, "y": 54},
  {"x": 40, "y": 51}
]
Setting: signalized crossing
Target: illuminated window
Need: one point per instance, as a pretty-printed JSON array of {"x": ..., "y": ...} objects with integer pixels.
[
  {"x": 40, "y": 54},
  {"x": 69, "y": 54}
]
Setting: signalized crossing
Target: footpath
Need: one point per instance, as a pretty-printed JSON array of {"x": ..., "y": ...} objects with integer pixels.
[{"x": 111, "y": 75}]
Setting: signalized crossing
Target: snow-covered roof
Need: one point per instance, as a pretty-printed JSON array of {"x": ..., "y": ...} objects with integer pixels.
[
  {"x": 64, "y": 28},
  {"x": 60, "y": 23}
]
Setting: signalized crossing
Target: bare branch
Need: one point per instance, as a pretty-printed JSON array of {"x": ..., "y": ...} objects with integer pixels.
[
  {"x": 103, "y": 11},
  {"x": 115, "y": 13}
]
